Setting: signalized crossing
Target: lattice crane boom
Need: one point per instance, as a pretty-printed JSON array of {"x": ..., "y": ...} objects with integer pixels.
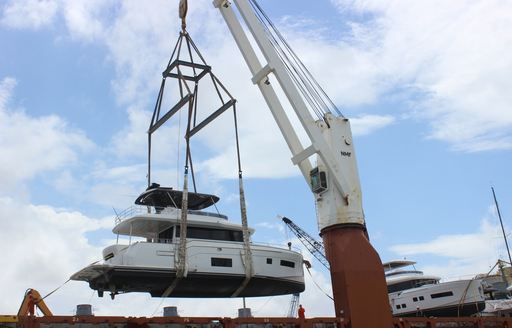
[
  {"x": 294, "y": 306},
  {"x": 315, "y": 247}
]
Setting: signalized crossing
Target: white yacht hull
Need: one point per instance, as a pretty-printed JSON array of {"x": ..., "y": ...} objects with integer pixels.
[
  {"x": 157, "y": 280},
  {"x": 214, "y": 269},
  {"x": 449, "y": 299}
]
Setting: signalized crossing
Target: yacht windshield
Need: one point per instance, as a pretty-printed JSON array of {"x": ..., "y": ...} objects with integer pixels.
[{"x": 212, "y": 234}]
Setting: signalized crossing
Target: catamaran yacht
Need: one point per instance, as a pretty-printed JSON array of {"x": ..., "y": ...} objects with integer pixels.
[
  {"x": 412, "y": 293},
  {"x": 214, "y": 253},
  {"x": 497, "y": 291}
]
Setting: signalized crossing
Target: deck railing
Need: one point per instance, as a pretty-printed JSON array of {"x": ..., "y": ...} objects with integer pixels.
[{"x": 140, "y": 209}]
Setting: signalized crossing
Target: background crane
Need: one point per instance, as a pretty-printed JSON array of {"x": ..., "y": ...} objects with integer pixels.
[
  {"x": 315, "y": 247},
  {"x": 294, "y": 306}
]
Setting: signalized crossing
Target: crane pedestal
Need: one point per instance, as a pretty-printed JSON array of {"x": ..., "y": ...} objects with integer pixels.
[{"x": 358, "y": 282}]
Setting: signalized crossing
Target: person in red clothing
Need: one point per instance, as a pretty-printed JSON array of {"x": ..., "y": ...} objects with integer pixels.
[{"x": 301, "y": 312}]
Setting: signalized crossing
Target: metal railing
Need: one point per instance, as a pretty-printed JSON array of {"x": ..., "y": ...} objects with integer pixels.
[{"x": 140, "y": 209}]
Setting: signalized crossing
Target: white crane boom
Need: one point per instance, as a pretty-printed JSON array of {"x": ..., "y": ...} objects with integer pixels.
[
  {"x": 356, "y": 269},
  {"x": 333, "y": 144}
]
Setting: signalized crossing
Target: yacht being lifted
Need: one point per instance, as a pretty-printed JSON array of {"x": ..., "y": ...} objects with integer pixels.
[{"x": 214, "y": 258}]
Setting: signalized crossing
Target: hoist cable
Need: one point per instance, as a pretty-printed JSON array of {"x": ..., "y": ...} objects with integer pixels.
[
  {"x": 289, "y": 67},
  {"x": 317, "y": 98},
  {"x": 237, "y": 143},
  {"x": 56, "y": 289},
  {"x": 299, "y": 84},
  {"x": 306, "y": 71},
  {"x": 318, "y": 286},
  {"x": 294, "y": 72},
  {"x": 178, "y": 150},
  {"x": 305, "y": 77},
  {"x": 181, "y": 269}
]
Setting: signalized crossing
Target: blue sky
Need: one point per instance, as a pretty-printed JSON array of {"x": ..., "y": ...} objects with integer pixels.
[{"x": 426, "y": 85}]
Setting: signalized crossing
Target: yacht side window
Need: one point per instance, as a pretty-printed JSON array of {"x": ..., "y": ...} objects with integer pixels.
[
  {"x": 212, "y": 234},
  {"x": 289, "y": 264},
  {"x": 439, "y": 295},
  {"x": 222, "y": 262},
  {"x": 166, "y": 236}
]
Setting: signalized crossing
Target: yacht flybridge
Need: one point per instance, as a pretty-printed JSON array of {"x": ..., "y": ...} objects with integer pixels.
[{"x": 214, "y": 264}]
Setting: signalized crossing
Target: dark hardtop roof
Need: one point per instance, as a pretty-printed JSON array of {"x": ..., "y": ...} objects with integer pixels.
[{"x": 168, "y": 197}]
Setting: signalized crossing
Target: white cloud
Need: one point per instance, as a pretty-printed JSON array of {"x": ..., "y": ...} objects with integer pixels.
[
  {"x": 85, "y": 19},
  {"x": 452, "y": 55},
  {"x": 461, "y": 255},
  {"x": 367, "y": 124},
  {"x": 271, "y": 226},
  {"x": 29, "y": 13},
  {"x": 139, "y": 46},
  {"x": 7, "y": 85},
  {"x": 445, "y": 58},
  {"x": 140, "y": 40},
  {"x": 131, "y": 141},
  {"x": 32, "y": 145},
  {"x": 43, "y": 246}
]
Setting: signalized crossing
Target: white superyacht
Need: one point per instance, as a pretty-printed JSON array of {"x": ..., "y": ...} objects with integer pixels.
[
  {"x": 214, "y": 264},
  {"x": 412, "y": 293}
]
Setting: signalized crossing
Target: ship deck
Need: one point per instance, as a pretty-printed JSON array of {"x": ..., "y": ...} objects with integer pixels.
[{"x": 259, "y": 322}]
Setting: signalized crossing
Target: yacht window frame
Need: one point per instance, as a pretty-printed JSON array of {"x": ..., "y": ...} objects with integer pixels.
[
  {"x": 168, "y": 238},
  {"x": 286, "y": 263},
  {"x": 441, "y": 295},
  {"x": 223, "y": 262},
  {"x": 232, "y": 235}
]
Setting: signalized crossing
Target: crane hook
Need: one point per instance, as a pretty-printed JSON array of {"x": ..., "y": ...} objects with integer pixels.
[{"x": 183, "y": 6}]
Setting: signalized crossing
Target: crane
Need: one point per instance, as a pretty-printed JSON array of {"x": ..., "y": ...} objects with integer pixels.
[
  {"x": 314, "y": 246},
  {"x": 294, "y": 306},
  {"x": 31, "y": 300},
  {"x": 356, "y": 268}
]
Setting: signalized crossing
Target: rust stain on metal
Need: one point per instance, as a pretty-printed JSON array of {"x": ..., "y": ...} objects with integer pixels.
[{"x": 358, "y": 283}]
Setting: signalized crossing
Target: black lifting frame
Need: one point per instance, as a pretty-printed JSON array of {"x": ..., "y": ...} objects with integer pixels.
[{"x": 188, "y": 72}]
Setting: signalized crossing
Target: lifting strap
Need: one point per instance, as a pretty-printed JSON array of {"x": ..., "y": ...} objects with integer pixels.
[
  {"x": 181, "y": 265},
  {"x": 183, "y": 6},
  {"x": 181, "y": 259},
  {"x": 198, "y": 70},
  {"x": 247, "y": 253}
]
